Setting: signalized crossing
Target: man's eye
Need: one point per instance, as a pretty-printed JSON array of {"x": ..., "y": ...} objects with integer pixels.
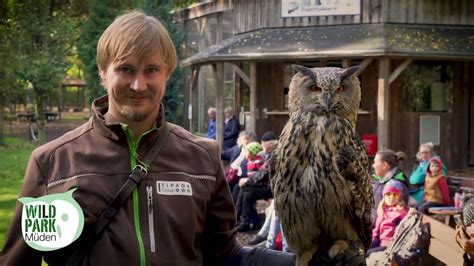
[
  {"x": 153, "y": 70},
  {"x": 126, "y": 70}
]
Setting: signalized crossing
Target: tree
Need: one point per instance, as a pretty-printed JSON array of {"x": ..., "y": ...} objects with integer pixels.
[
  {"x": 101, "y": 14},
  {"x": 161, "y": 9},
  {"x": 43, "y": 32}
]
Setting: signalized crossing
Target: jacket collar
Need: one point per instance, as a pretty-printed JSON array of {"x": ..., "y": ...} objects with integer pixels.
[{"x": 114, "y": 131}]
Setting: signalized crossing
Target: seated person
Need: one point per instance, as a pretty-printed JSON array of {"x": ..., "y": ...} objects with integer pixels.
[
  {"x": 436, "y": 187},
  {"x": 391, "y": 210},
  {"x": 386, "y": 168},
  {"x": 417, "y": 178},
  {"x": 252, "y": 188},
  {"x": 236, "y": 155},
  {"x": 231, "y": 128},
  {"x": 211, "y": 128}
]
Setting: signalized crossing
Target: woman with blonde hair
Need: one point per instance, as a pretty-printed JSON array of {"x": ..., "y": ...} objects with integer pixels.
[{"x": 417, "y": 178}]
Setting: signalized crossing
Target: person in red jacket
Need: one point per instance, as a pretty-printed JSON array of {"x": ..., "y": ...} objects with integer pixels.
[
  {"x": 436, "y": 187},
  {"x": 390, "y": 212}
]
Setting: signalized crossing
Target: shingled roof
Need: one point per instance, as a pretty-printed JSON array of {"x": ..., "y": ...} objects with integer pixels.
[{"x": 362, "y": 40}]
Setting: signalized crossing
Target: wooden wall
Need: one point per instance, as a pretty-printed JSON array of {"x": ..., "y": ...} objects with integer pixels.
[
  {"x": 404, "y": 127},
  {"x": 255, "y": 14},
  {"x": 270, "y": 95},
  {"x": 367, "y": 119}
]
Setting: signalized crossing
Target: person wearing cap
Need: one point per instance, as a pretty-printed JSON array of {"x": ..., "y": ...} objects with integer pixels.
[
  {"x": 436, "y": 187},
  {"x": 253, "y": 187},
  {"x": 390, "y": 211},
  {"x": 465, "y": 234},
  {"x": 269, "y": 140}
]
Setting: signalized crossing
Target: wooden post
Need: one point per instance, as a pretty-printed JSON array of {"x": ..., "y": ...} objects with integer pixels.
[
  {"x": 219, "y": 71},
  {"x": 382, "y": 103},
  {"x": 194, "y": 77},
  {"x": 346, "y": 63},
  {"x": 253, "y": 97}
]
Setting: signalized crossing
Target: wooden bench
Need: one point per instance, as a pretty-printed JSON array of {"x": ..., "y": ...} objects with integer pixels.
[
  {"x": 50, "y": 116},
  {"x": 28, "y": 117},
  {"x": 443, "y": 246},
  {"x": 447, "y": 212}
]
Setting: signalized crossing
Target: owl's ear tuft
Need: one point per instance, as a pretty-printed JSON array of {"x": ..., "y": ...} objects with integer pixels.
[
  {"x": 304, "y": 71},
  {"x": 349, "y": 71}
]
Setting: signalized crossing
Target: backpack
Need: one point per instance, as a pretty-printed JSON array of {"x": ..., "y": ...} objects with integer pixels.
[{"x": 411, "y": 241}]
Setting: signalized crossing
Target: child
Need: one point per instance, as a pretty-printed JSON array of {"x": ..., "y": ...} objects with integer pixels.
[
  {"x": 390, "y": 212},
  {"x": 254, "y": 161},
  {"x": 436, "y": 187}
]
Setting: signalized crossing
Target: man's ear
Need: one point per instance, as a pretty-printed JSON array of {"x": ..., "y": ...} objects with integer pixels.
[{"x": 102, "y": 73}]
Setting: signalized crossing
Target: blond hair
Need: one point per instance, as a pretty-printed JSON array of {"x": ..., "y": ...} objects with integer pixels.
[
  {"x": 428, "y": 145},
  {"x": 135, "y": 33},
  {"x": 400, "y": 205}
]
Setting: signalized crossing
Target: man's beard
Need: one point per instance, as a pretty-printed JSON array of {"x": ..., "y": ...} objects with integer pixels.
[{"x": 135, "y": 116}]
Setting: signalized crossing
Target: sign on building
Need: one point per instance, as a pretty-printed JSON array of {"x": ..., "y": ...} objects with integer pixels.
[{"x": 309, "y": 8}]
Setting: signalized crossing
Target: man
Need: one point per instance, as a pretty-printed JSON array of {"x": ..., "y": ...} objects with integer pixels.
[
  {"x": 154, "y": 226},
  {"x": 231, "y": 128},
  {"x": 211, "y": 128},
  {"x": 256, "y": 186}
]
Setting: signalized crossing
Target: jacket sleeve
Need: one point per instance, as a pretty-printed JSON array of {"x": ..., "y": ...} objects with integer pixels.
[
  {"x": 443, "y": 186},
  {"x": 376, "y": 231},
  {"x": 16, "y": 251},
  {"x": 218, "y": 239},
  {"x": 232, "y": 130},
  {"x": 418, "y": 176}
]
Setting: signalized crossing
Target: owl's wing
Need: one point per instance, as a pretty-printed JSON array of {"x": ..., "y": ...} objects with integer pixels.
[{"x": 353, "y": 164}]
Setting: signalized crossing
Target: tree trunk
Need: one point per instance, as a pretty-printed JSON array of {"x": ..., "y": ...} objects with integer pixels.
[
  {"x": 40, "y": 119},
  {"x": 2, "y": 121}
]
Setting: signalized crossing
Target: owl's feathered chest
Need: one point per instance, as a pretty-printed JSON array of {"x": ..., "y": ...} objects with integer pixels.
[{"x": 324, "y": 136}]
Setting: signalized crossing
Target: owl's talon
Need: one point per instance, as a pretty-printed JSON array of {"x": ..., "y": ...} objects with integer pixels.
[{"x": 338, "y": 247}]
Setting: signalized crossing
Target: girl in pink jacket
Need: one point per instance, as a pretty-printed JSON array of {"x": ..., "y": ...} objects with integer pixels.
[{"x": 391, "y": 210}]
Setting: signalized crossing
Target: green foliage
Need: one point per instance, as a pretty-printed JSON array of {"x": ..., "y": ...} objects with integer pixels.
[
  {"x": 101, "y": 14},
  {"x": 13, "y": 161},
  {"x": 174, "y": 95},
  {"x": 42, "y": 42}
]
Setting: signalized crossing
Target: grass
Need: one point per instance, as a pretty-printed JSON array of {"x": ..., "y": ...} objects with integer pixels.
[{"x": 13, "y": 161}]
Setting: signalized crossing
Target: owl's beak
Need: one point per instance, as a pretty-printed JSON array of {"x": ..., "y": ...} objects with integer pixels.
[{"x": 327, "y": 99}]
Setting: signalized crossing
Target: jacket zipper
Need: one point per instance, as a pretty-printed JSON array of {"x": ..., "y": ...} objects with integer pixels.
[
  {"x": 151, "y": 224},
  {"x": 133, "y": 145}
]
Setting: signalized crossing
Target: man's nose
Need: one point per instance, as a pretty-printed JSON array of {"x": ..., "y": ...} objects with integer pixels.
[{"x": 138, "y": 83}]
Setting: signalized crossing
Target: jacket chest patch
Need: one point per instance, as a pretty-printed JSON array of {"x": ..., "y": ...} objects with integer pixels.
[{"x": 181, "y": 188}]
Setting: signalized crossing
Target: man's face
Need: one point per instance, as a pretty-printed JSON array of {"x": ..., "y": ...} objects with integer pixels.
[
  {"x": 268, "y": 146},
  {"x": 228, "y": 115},
  {"x": 212, "y": 115},
  {"x": 135, "y": 87}
]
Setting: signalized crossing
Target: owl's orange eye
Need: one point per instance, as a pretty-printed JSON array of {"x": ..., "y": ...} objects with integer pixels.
[
  {"x": 315, "y": 88},
  {"x": 340, "y": 89}
]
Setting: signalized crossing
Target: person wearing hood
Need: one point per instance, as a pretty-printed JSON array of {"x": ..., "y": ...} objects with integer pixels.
[{"x": 436, "y": 187}]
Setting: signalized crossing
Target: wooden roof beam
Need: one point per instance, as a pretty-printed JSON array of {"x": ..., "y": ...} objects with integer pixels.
[
  {"x": 399, "y": 70},
  {"x": 242, "y": 74},
  {"x": 363, "y": 66}
]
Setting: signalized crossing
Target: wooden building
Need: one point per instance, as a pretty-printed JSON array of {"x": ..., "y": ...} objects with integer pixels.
[{"x": 416, "y": 57}]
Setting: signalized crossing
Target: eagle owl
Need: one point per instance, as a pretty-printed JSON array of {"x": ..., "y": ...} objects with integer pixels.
[{"x": 320, "y": 170}]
